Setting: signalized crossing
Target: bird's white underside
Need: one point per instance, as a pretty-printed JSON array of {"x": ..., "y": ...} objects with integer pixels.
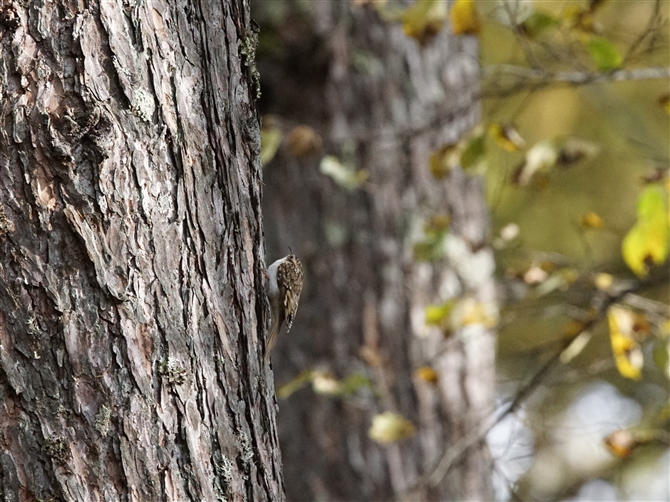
[{"x": 273, "y": 290}]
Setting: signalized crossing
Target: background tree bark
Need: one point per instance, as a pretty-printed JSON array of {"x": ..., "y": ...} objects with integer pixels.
[
  {"x": 383, "y": 103},
  {"x": 131, "y": 255}
]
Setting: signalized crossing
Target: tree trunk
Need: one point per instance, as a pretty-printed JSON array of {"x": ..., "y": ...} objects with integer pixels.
[
  {"x": 131, "y": 255},
  {"x": 383, "y": 103}
]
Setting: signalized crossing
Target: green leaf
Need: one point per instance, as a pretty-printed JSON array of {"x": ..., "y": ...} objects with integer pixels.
[
  {"x": 354, "y": 382},
  {"x": 557, "y": 280},
  {"x": 295, "y": 384},
  {"x": 436, "y": 315},
  {"x": 661, "y": 355},
  {"x": 344, "y": 175},
  {"x": 473, "y": 151},
  {"x": 604, "y": 53},
  {"x": 647, "y": 241},
  {"x": 431, "y": 246},
  {"x": 537, "y": 22},
  {"x": 389, "y": 427},
  {"x": 428, "y": 250},
  {"x": 270, "y": 140}
]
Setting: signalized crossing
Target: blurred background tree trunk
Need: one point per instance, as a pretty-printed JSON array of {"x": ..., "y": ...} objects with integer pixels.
[
  {"x": 131, "y": 256},
  {"x": 382, "y": 103}
]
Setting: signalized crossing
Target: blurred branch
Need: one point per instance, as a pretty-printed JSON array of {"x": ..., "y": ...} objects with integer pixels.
[
  {"x": 520, "y": 36},
  {"x": 478, "y": 434},
  {"x": 527, "y": 78},
  {"x": 650, "y": 306},
  {"x": 651, "y": 33}
]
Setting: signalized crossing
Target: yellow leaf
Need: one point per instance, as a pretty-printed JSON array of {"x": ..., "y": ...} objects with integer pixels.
[
  {"x": 444, "y": 159},
  {"x": 630, "y": 363},
  {"x": 424, "y": 19},
  {"x": 627, "y": 353},
  {"x": 506, "y": 137},
  {"x": 436, "y": 315},
  {"x": 647, "y": 241},
  {"x": 389, "y": 427},
  {"x": 427, "y": 374},
  {"x": 465, "y": 18},
  {"x": 591, "y": 220}
]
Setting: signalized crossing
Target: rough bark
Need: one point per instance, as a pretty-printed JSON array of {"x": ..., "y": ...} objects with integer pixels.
[
  {"x": 131, "y": 256},
  {"x": 365, "y": 293}
]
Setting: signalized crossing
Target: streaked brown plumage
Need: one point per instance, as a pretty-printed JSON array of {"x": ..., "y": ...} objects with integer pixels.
[{"x": 285, "y": 280}]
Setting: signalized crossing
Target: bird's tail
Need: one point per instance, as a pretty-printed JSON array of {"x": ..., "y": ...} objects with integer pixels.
[{"x": 272, "y": 340}]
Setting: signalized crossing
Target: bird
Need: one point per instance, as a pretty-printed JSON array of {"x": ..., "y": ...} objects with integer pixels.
[{"x": 285, "y": 281}]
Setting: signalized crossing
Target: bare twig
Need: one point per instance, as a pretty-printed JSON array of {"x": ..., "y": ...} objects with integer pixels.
[
  {"x": 527, "y": 78},
  {"x": 653, "y": 307},
  {"x": 651, "y": 31},
  {"x": 579, "y": 77},
  {"x": 478, "y": 434}
]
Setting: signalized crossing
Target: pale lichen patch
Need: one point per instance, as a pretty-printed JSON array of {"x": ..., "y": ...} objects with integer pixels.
[
  {"x": 102, "y": 419},
  {"x": 6, "y": 225},
  {"x": 143, "y": 104},
  {"x": 57, "y": 448},
  {"x": 173, "y": 372}
]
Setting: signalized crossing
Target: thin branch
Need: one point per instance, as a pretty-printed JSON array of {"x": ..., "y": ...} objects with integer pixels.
[
  {"x": 581, "y": 77},
  {"x": 653, "y": 307},
  {"x": 478, "y": 434},
  {"x": 528, "y": 80},
  {"x": 654, "y": 25},
  {"x": 521, "y": 38},
  {"x": 529, "y": 77}
]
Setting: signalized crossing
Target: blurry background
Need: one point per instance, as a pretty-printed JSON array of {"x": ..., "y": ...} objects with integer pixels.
[{"x": 564, "y": 166}]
